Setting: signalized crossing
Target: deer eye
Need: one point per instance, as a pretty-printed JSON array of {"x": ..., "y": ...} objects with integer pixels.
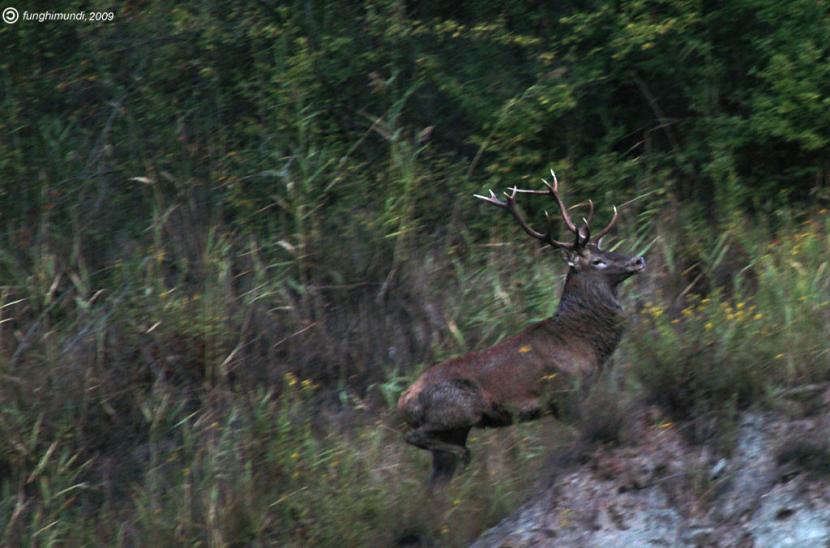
[{"x": 598, "y": 263}]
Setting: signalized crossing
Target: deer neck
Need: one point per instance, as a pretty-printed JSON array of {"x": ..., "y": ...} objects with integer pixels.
[{"x": 589, "y": 315}]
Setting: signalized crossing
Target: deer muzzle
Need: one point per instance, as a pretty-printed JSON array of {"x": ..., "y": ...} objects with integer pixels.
[{"x": 637, "y": 264}]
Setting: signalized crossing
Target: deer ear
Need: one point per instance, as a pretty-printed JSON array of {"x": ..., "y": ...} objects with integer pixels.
[{"x": 599, "y": 242}]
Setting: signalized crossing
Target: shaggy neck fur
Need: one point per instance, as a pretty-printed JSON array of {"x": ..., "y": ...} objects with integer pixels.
[{"x": 589, "y": 312}]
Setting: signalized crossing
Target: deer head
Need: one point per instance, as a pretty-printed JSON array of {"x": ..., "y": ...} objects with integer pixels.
[{"x": 583, "y": 253}]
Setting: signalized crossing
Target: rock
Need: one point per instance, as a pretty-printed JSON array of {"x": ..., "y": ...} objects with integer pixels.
[
  {"x": 662, "y": 491},
  {"x": 787, "y": 517}
]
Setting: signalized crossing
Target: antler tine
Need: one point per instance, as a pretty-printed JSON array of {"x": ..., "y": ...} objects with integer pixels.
[
  {"x": 585, "y": 232},
  {"x": 557, "y": 243},
  {"x": 531, "y": 191},
  {"x": 511, "y": 206},
  {"x": 553, "y": 190},
  {"x": 585, "y": 229},
  {"x": 605, "y": 230},
  {"x": 492, "y": 199}
]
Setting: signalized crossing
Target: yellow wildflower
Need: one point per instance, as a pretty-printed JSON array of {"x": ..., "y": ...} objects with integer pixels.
[
  {"x": 290, "y": 379},
  {"x": 655, "y": 311}
]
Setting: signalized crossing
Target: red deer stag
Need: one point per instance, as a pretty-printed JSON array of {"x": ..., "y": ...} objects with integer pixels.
[{"x": 519, "y": 378}]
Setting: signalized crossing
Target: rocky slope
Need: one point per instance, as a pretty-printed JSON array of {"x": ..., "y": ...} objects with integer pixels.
[{"x": 769, "y": 488}]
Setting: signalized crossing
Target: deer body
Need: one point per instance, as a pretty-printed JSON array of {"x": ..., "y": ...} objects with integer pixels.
[{"x": 525, "y": 376}]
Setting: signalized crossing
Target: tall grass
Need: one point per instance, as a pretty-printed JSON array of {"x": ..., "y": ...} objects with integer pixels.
[
  {"x": 148, "y": 412},
  {"x": 200, "y": 382}
]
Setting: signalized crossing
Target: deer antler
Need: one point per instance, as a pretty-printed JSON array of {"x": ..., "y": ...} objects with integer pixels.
[
  {"x": 510, "y": 205},
  {"x": 608, "y": 227},
  {"x": 582, "y": 234}
]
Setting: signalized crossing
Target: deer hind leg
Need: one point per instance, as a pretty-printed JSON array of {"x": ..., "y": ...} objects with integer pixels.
[
  {"x": 448, "y": 448},
  {"x": 450, "y": 409},
  {"x": 447, "y": 442},
  {"x": 444, "y": 463}
]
